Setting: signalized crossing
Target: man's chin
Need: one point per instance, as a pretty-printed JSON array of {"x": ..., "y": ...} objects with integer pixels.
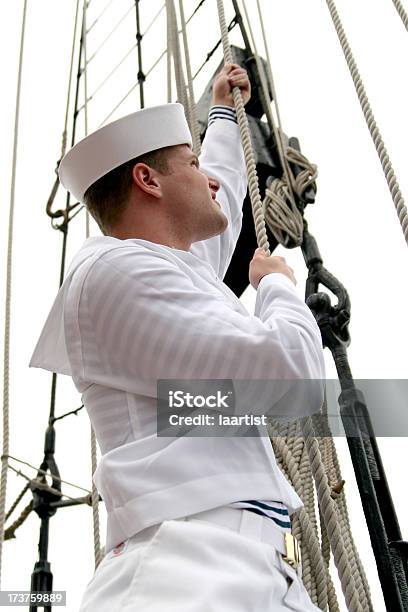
[{"x": 219, "y": 224}]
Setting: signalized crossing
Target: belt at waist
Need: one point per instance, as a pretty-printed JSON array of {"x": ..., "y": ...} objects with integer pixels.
[{"x": 254, "y": 526}]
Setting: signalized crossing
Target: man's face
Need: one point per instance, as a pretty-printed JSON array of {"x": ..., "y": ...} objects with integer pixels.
[{"x": 190, "y": 196}]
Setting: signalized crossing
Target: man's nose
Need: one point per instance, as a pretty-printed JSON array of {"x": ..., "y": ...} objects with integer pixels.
[{"x": 213, "y": 184}]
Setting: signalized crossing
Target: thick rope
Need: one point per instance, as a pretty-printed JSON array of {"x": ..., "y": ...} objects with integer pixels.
[
  {"x": 47, "y": 473},
  {"x": 7, "y": 319},
  {"x": 169, "y": 52},
  {"x": 402, "y": 12},
  {"x": 281, "y": 213},
  {"x": 176, "y": 54},
  {"x": 290, "y": 226},
  {"x": 195, "y": 129},
  {"x": 95, "y": 504},
  {"x": 10, "y": 531},
  {"x": 286, "y": 221},
  {"x": 85, "y": 77},
  {"x": 254, "y": 194},
  {"x": 317, "y": 580},
  {"x": 303, "y": 527},
  {"x": 371, "y": 123},
  {"x": 94, "y": 462},
  {"x": 17, "y": 501},
  {"x": 330, "y": 519},
  {"x": 287, "y": 175},
  {"x": 71, "y": 70}
]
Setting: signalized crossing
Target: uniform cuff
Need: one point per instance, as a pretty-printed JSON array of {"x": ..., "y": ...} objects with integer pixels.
[{"x": 222, "y": 112}]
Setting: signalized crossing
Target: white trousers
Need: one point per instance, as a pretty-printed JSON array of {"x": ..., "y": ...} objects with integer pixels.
[{"x": 195, "y": 566}]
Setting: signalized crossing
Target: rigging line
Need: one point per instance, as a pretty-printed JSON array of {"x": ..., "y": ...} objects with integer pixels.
[
  {"x": 85, "y": 73},
  {"x": 51, "y": 198},
  {"x": 195, "y": 128},
  {"x": 76, "y": 212},
  {"x": 279, "y": 205},
  {"x": 153, "y": 66},
  {"x": 95, "y": 502},
  {"x": 94, "y": 493},
  {"x": 67, "y": 414},
  {"x": 169, "y": 56},
  {"x": 41, "y": 485},
  {"x": 276, "y": 129},
  {"x": 176, "y": 54},
  {"x": 10, "y": 531},
  {"x": 402, "y": 12},
  {"x": 284, "y": 162},
  {"x": 109, "y": 76},
  {"x": 154, "y": 20},
  {"x": 253, "y": 186},
  {"x": 370, "y": 120},
  {"x": 199, "y": 5},
  {"x": 122, "y": 60},
  {"x": 47, "y": 473},
  {"x": 71, "y": 68},
  {"x": 110, "y": 34},
  {"x": 231, "y": 26},
  {"x": 99, "y": 16},
  {"x": 140, "y": 76},
  {"x": 7, "y": 318},
  {"x": 17, "y": 501},
  {"x": 119, "y": 103},
  {"x": 131, "y": 90}
]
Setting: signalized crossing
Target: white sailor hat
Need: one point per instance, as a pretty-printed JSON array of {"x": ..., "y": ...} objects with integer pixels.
[{"x": 118, "y": 142}]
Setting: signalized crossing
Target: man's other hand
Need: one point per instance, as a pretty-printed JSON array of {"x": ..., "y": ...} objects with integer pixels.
[
  {"x": 261, "y": 265},
  {"x": 232, "y": 75}
]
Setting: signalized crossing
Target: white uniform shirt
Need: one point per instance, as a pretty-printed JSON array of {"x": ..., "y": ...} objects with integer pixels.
[{"x": 131, "y": 312}]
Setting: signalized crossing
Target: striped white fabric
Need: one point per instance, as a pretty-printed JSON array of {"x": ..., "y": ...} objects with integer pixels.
[
  {"x": 222, "y": 112},
  {"x": 132, "y": 312},
  {"x": 276, "y": 511}
]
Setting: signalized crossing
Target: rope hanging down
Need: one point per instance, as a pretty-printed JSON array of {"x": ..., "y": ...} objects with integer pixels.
[
  {"x": 371, "y": 123},
  {"x": 311, "y": 578},
  {"x": 402, "y": 12},
  {"x": 95, "y": 495},
  {"x": 253, "y": 185},
  {"x": 281, "y": 213},
  {"x": 7, "y": 318},
  {"x": 336, "y": 532}
]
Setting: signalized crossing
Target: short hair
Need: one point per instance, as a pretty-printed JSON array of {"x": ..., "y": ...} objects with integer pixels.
[{"x": 107, "y": 198}]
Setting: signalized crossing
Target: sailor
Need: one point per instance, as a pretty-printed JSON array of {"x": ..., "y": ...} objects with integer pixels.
[{"x": 193, "y": 523}]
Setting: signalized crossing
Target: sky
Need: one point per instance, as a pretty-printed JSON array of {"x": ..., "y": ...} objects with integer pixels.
[{"x": 353, "y": 219}]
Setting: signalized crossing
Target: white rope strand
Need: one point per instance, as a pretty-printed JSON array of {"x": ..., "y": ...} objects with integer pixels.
[
  {"x": 71, "y": 70},
  {"x": 371, "y": 123},
  {"x": 281, "y": 213},
  {"x": 254, "y": 193},
  {"x": 402, "y": 12},
  {"x": 195, "y": 129},
  {"x": 7, "y": 320},
  {"x": 169, "y": 52},
  {"x": 94, "y": 461}
]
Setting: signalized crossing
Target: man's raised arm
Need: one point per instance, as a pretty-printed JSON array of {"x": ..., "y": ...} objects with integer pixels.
[{"x": 222, "y": 158}]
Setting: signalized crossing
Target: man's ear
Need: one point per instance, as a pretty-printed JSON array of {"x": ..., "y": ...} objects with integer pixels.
[{"x": 147, "y": 179}]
